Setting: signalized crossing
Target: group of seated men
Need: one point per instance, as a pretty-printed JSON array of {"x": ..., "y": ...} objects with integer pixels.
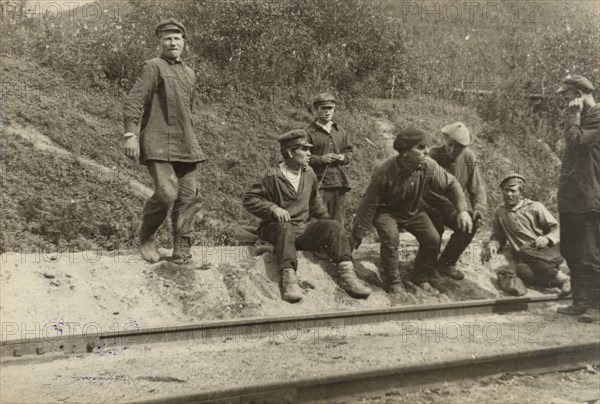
[{"x": 420, "y": 190}]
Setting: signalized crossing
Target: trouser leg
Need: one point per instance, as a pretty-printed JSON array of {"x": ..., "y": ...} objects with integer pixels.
[
  {"x": 335, "y": 201},
  {"x": 283, "y": 237},
  {"x": 428, "y": 237},
  {"x": 327, "y": 233},
  {"x": 165, "y": 192},
  {"x": 445, "y": 215},
  {"x": 387, "y": 230},
  {"x": 580, "y": 246},
  {"x": 187, "y": 195}
]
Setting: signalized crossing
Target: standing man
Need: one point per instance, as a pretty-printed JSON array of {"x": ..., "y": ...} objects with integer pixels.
[
  {"x": 460, "y": 161},
  {"x": 393, "y": 200},
  {"x": 331, "y": 152},
  {"x": 528, "y": 237},
  {"x": 159, "y": 132},
  {"x": 579, "y": 194},
  {"x": 294, "y": 218}
]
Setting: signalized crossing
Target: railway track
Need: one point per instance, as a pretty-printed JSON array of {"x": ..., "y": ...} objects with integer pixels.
[
  {"x": 347, "y": 385},
  {"x": 345, "y": 381},
  {"x": 58, "y": 344}
]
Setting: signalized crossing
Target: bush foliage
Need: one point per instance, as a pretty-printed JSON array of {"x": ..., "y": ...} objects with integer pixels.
[{"x": 258, "y": 64}]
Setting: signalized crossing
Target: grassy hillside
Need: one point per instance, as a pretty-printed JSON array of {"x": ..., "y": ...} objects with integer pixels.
[
  {"x": 66, "y": 183},
  {"x": 53, "y": 200}
]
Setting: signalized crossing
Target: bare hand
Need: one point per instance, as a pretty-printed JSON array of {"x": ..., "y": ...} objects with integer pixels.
[
  {"x": 282, "y": 215},
  {"x": 465, "y": 224},
  {"x": 341, "y": 157},
  {"x": 329, "y": 158},
  {"x": 131, "y": 147},
  {"x": 576, "y": 105},
  {"x": 541, "y": 242},
  {"x": 477, "y": 217}
]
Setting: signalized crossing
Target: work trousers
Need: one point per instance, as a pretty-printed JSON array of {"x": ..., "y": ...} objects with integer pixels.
[
  {"x": 459, "y": 240},
  {"x": 174, "y": 184},
  {"x": 580, "y": 246},
  {"x": 538, "y": 269},
  {"x": 420, "y": 226},
  {"x": 288, "y": 239},
  {"x": 335, "y": 201}
]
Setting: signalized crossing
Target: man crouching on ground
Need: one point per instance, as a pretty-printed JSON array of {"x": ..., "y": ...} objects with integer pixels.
[
  {"x": 286, "y": 199},
  {"x": 393, "y": 200},
  {"x": 158, "y": 111},
  {"x": 528, "y": 235}
]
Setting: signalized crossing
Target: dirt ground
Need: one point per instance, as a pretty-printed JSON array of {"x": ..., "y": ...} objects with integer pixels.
[
  {"x": 115, "y": 291},
  {"x": 143, "y": 372},
  {"x": 579, "y": 386}
]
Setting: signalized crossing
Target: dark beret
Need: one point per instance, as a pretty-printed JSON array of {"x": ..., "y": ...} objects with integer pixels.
[
  {"x": 576, "y": 82},
  {"x": 512, "y": 179},
  {"x": 409, "y": 137},
  {"x": 324, "y": 99},
  {"x": 293, "y": 138},
  {"x": 170, "y": 25}
]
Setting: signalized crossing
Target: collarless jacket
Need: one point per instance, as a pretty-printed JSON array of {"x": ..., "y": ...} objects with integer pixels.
[
  {"x": 275, "y": 190},
  {"x": 331, "y": 175},
  {"x": 466, "y": 171},
  {"x": 159, "y": 110},
  {"x": 397, "y": 189}
]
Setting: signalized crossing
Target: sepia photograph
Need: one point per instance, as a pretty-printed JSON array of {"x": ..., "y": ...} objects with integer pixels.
[{"x": 300, "y": 201}]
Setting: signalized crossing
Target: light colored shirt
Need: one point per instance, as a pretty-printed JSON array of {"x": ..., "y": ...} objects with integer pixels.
[
  {"x": 292, "y": 177},
  {"x": 522, "y": 224},
  {"x": 326, "y": 127}
]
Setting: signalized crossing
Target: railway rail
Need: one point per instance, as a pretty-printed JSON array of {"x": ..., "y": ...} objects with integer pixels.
[
  {"x": 347, "y": 382},
  {"x": 50, "y": 347}
]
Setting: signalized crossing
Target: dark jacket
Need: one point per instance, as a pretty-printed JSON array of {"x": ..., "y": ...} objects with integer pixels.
[
  {"x": 579, "y": 184},
  {"x": 159, "y": 109},
  {"x": 397, "y": 189},
  {"x": 274, "y": 190},
  {"x": 337, "y": 142},
  {"x": 466, "y": 171}
]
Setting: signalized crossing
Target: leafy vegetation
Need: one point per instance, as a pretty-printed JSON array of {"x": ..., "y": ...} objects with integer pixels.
[{"x": 258, "y": 64}]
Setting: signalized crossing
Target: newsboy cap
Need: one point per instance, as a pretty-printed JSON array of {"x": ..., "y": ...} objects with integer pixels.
[
  {"x": 409, "y": 137},
  {"x": 512, "y": 179},
  {"x": 576, "y": 82},
  {"x": 293, "y": 138},
  {"x": 458, "y": 132},
  {"x": 325, "y": 99},
  {"x": 170, "y": 25}
]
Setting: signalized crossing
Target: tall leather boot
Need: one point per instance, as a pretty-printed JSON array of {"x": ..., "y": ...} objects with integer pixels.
[
  {"x": 292, "y": 292},
  {"x": 350, "y": 283}
]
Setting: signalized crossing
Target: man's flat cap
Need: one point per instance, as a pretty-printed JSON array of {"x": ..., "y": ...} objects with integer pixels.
[
  {"x": 458, "y": 132},
  {"x": 293, "y": 138},
  {"x": 325, "y": 99},
  {"x": 576, "y": 82},
  {"x": 512, "y": 179},
  {"x": 409, "y": 137},
  {"x": 170, "y": 25}
]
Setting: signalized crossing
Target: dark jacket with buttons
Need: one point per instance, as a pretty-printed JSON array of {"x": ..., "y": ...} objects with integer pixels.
[
  {"x": 397, "y": 188},
  {"x": 331, "y": 175},
  {"x": 274, "y": 190},
  {"x": 159, "y": 109},
  {"x": 579, "y": 184}
]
